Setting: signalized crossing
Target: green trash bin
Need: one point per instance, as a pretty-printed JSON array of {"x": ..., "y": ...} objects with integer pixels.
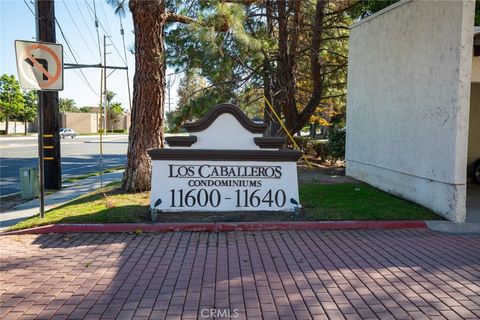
[{"x": 29, "y": 182}]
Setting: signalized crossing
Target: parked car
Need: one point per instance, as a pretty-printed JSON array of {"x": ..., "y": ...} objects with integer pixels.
[
  {"x": 67, "y": 132},
  {"x": 476, "y": 171}
]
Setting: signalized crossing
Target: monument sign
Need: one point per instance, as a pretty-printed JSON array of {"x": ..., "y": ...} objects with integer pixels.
[{"x": 227, "y": 165}]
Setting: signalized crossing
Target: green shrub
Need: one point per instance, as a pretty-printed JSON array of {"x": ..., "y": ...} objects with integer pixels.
[
  {"x": 336, "y": 143},
  {"x": 312, "y": 148}
]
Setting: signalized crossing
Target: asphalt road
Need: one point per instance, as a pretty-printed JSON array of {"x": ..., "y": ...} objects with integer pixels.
[{"x": 79, "y": 156}]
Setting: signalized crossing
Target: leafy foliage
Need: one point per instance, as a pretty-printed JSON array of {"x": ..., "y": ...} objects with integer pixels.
[
  {"x": 336, "y": 144},
  {"x": 477, "y": 13},
  {"x": 29, "y": 110},
  {"x": 241, "y": 64},
  {"x": 11, "y": 97},
  {"x": 114, "y": 111},
  {"x": 67, "y": 105}
]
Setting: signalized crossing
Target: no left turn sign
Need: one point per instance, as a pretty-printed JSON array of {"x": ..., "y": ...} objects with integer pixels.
[{"x": 39, "y": 65}]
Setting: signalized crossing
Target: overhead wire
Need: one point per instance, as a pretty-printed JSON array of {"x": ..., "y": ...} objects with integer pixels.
[
  {"x": 74, "y": 56},
  {"x": 76, "y": 27},
  {"x": 105, "y": 16},
  {"x": 107, "y": 33},
  {"x": 29, "y": 7},
  {"x": 82, "y": 76},
  {"x": 96, "y": 28},
  {"x": 85, "y": 21}
]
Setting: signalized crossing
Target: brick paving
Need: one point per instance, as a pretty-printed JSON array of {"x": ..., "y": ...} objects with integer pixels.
[{"x": 376, "y": 274}]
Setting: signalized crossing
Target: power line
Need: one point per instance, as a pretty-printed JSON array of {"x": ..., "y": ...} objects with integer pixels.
[
  {"x": 85, "y": 20},
  {"x": 77, "y": 73},
  {"x": 105, "y": 31},
  {"x": 96, "y": 27},
  {"x": 29, "y": 7},
  {"x": 73, "y": 55},
  {"x": 76, "y": 27},
  {"x": 82, "y": 77},
  {"x": 105, "y": 16}
]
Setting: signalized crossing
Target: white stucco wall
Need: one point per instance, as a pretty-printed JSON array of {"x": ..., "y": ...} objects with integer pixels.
[
  {"x": 408, "y": 102},
  {"x": 226, "y": 133}
]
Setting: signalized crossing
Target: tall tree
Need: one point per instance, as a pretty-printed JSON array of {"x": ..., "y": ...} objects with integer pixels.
[
  {"x": 295, "y": 50},
  {"x": 114, "y": 111},
  {"x": 11, "y": 98},
  {"x": 67, "y": 105},
  {"x": 146, "y": 131},
  {"x": 29, "y": 110}
]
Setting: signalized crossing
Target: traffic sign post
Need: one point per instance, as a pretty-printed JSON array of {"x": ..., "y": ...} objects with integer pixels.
[{"x": 40, "y": 67}]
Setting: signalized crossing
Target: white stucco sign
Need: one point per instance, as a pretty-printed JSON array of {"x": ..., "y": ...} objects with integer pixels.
[{"x": 226, "y": 166}]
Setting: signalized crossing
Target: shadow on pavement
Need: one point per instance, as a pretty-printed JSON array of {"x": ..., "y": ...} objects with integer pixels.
[{"x": 307, "y": 275}]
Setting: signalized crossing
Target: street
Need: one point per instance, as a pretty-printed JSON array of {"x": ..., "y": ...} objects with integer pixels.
[{"x": 79, "y": 156}]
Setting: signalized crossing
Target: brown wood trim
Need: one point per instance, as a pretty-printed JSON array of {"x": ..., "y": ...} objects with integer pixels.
[
  {"x": 224, "y": 155},
  {"x": 181, "y": 141},
  {"x": 232, "y": 109},
  {"x": 269, "y": 142}
]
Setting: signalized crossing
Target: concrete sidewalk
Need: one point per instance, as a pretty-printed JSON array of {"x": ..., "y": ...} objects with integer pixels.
[
  {"x": 372, "y": 274},
  {"x": 69, "y": 192}
]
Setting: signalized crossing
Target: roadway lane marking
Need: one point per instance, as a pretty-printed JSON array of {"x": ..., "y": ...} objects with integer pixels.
[{"x": 13, "y": 146}]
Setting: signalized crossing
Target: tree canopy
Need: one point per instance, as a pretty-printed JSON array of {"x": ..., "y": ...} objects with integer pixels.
[{"x": 67, "y": 105}]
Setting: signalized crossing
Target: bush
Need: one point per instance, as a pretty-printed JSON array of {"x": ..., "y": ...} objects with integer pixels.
[
  {"x": 331, "y": 150},
  {"x": 336, "y": 143},
  {"x": 312, "y": 148}
]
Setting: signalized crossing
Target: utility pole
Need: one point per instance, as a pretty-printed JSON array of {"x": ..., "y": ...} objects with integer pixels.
[
  {"x": 105, "y": 81},
  {"x": 48, "y": 102},
  {"x": 122, "y": 32}
]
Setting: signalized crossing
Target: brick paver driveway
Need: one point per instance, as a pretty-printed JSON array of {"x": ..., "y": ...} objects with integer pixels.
[{"x": 401, "y": 274}]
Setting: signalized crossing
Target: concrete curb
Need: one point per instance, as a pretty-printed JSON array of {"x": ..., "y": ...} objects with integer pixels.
[
  {"x": 220, "y": 226},
  {"x": 454, "y": 227}
]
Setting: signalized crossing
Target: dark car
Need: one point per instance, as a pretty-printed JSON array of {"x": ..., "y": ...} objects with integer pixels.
[
  {"x": 476, "y": 171},
  {"x": 67, "y": 132}
]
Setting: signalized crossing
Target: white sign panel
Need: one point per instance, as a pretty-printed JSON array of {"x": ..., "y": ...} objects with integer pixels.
[
  {"x": 224, "y": 164},
  {"x": 224, "y": 186},
  {"x": 39, "y": 65}
]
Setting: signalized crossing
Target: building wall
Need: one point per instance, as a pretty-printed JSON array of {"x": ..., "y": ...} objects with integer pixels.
[
  {"x": 80, "y": 122},
  {"x": 474, "y": 128},
  {"x": 17, "y": 127},
  {"x": 408, "y": 102}
]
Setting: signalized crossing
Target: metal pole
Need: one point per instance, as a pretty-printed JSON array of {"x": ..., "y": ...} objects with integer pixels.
[
  {"x": 101, "y": 128},
  {"x": 105, "y": 80},
  {"x": 126, "y": 63},
  {"x": 41, "y": 173},
  {"x": 45, "y": 28}
]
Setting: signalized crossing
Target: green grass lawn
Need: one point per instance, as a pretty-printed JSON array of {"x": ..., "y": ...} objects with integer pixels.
[
  {"x": 103, "y": 206},
  {"x": 92, "y": 174},
  {"x": 320, "y": 202},
  {"x": 353, "y": 201}
]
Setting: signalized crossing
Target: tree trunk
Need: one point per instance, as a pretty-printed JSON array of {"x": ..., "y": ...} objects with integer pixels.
[
  {"x": 6, "y": 124},
  {"x": 25, "y": 127},
  {"x": 146, "y": 130},
  {"x": 288, "y": 36}
]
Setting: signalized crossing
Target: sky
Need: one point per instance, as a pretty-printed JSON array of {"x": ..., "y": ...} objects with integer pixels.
[{"x": 76, "y": 18}]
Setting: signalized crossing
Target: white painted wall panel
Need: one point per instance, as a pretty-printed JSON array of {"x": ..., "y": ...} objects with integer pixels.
[{"x": 408, "y": 101}]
